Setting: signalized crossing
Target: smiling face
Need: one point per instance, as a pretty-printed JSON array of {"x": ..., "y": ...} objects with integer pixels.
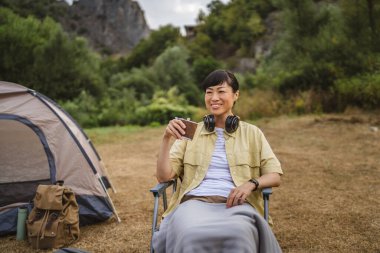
[{"x": 219, "y": 100}]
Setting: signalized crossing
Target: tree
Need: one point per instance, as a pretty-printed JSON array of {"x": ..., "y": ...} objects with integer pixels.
[
  {"x": 148, "y": 49},
  {"x": 203, "y": 66},
  {"x": 232, "y": 26},
  {"x": 362, "y": 20},
  {"x": 43, "y": 57},
  {"x": 39, "y": 9},
  {"x": 313, "y": 49},
  {"x": 138, "y": 80},
  {"x": 172, "y": 69}
]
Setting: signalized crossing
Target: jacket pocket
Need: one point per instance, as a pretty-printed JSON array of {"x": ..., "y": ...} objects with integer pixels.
[
  {"x": 192, "y": 166},
  {"x": 252, "y": 159},
  {"x": 193, "y": 158},
  {"x": 248, "y": 164}
]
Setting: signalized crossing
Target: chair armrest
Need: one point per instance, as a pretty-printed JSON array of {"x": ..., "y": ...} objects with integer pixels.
[
  {"x": 160, "y": 188},
  {"x": 266, "y": 191}
]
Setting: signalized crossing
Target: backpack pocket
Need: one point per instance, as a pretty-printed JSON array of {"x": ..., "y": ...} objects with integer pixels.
[{"x": 46, "y": 232}]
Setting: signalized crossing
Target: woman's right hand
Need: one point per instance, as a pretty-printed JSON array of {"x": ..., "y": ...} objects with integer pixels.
[
  {"x": 164, "y": 171},
  {"x": 175, "y": 128}
]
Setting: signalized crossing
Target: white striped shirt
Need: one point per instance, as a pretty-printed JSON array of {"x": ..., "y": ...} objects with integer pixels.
[{"x": 218, "y": 181}]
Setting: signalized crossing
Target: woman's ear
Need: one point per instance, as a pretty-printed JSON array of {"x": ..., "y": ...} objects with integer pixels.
[{"x": 236, "y": 95}]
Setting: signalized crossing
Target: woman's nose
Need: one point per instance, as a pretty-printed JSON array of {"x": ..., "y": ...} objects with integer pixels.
[{"x": 214, "y": 96}]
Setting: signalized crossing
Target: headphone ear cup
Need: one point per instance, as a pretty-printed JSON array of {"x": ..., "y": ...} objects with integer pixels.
[
  {"x": 232, "y": 123},
  {"x": 209, "y": 121}
]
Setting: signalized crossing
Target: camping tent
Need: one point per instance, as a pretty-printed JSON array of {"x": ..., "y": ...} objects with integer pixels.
[{"x": 40, "y": 144}]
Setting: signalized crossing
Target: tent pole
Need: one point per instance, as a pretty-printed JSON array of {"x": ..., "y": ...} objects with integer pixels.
[
  {"x": 108, "y": 196},
  {"x": 107, "y": 175}
]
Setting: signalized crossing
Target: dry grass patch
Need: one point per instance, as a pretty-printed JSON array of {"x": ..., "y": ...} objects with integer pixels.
[{"x": 328, "y": 200}]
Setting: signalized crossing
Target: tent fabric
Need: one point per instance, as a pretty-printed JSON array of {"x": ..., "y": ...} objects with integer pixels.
[
  {"x": 41, "y": 144},
  {"x": 27, "y": 148}
]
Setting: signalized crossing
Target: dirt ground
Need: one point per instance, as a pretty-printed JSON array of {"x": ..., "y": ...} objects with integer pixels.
[{"x": 328, "y": 201}]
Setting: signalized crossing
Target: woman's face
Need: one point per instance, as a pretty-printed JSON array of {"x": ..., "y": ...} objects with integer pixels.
[{"x": 219, "y": 99}]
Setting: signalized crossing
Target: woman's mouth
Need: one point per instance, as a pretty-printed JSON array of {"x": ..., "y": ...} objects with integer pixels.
[{"x": 215, "y": 106}]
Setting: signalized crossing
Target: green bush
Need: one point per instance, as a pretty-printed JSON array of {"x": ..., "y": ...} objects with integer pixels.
[
  {"x": 137, "y": 80},
  {"x": 118, "y": 107},
  {"x": 362, "y": 91},
  {"x": 161, "y": 113},
  {"x": 84, "y": 109},
  {"x": 164, "y": 107},
  {"x": 309, "y": 76}
]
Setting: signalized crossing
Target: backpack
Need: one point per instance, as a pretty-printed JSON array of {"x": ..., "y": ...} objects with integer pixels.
[{"x": 54, "y": 219}]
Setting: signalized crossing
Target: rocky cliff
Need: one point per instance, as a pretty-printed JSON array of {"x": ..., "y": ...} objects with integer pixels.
[
  {"x": 111, "y": 26},
  {"x": 263, "y": 47}
]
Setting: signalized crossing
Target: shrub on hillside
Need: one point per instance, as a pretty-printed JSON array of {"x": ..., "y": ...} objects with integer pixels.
[{"x": 362, "y": 91}]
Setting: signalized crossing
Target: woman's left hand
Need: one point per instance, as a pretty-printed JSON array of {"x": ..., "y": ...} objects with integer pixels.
[{"x": 239, "y": 194}]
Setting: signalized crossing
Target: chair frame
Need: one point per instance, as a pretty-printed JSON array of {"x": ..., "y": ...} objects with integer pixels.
[{"x": 160, "y": 190}]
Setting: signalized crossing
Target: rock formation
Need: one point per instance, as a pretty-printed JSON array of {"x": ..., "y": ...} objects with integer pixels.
[{"x": 111, "y": 26}]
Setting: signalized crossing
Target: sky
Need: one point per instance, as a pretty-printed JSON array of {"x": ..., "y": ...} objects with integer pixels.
[{"x": 176, "y": 12}]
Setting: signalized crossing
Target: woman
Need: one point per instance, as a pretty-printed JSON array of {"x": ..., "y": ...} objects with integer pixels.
[{"x": 218, "y": 206}]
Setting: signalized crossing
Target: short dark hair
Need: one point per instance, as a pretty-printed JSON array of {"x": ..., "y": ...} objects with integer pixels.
[{"x": 220, "y": 76}]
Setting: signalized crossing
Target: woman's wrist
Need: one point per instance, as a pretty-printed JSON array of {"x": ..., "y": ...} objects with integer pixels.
[
  {"x": 255, "y": 184},
  {"x": 167, "y": 136}
]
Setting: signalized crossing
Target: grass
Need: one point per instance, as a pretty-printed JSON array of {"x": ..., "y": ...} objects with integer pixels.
[
  {"x": 104, "y": 135},
  {"x": 328, "y": 200}
]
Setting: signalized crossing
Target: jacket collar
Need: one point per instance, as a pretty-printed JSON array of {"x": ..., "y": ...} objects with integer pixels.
[{"x": 205, "y": 132}]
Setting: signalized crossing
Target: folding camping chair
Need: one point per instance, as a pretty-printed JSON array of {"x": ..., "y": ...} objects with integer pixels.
[{"x": 160, "y": 190}]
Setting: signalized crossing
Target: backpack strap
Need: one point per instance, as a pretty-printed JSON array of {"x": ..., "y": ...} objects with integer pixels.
[{"x": 42, "y": 228}]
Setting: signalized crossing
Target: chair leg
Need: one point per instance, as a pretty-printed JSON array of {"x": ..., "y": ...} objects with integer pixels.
[
  {"x": 155, "y": 213},
  {"x": 159, "y": 189},
  {"x": 154, "y": 224},
  {"x": 165, "y": 201},
  {"x": 266, "y": 193},
  {"x": 266, "y": 208}
]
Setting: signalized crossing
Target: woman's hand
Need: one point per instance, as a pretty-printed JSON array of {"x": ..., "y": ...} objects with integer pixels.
[
  {"x": 175, "y": 128},
  {"x": 239, "y": 194}
]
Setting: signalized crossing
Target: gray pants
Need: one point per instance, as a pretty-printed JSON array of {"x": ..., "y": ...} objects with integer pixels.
[{"x": 197, "y": 226}]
